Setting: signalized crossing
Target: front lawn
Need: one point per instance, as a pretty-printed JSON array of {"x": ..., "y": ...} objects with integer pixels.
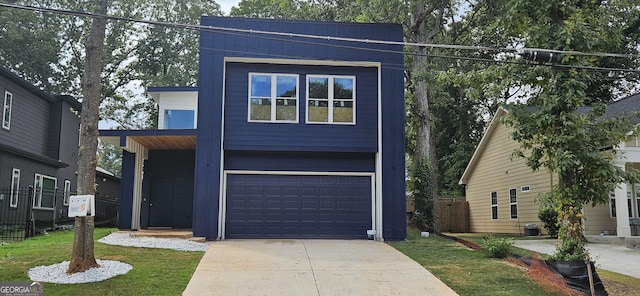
[
  {"x": 466, "y": 271},
  {"x": 155, "y": 271}
]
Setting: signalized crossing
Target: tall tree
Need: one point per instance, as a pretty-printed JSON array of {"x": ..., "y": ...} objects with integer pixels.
[
  {"x": 82, "y": 257},
  {"x": 559, "y": 118}
]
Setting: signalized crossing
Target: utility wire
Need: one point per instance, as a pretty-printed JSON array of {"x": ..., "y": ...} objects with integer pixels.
[{"x": 264, "y": 34}]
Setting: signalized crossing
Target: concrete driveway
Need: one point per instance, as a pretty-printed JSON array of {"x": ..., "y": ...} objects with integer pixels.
[
  {"x": 609, "y": 257},
  {"x": 310, "y": 267}
]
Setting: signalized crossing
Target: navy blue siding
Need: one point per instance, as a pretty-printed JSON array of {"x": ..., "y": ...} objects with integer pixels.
[
  {"x": 215, "y": 45},
  {"x": 299, "y": 161},
  {"x": 126, "y": 190},
  {"x": 243, "y": 135}
]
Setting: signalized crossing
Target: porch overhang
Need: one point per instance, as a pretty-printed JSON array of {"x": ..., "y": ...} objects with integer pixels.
[
  {"x": 152, "y": 139},
  {"x": 138, "y": 143}
]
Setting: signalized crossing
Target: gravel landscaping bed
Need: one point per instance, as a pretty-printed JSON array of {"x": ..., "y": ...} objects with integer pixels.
[{"x": 57, "y": 273}]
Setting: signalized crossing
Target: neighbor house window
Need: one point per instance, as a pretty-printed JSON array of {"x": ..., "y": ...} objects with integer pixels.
[
  {"x": 44, "y": 190},
  {"x": 179, "y": 119},
  {"x": 494, "y": 205},
  {"x": 331, "y": 99},
  {"x": 67, "y": 192},
  {"x": 612, "y": 204},
  {"x": 629, "y": 200},
  {"x": 637, "y": 189},
  {"x": 6, "y": 113},
  {"x": 513, "y": 203},
  {"x": 15, "y": 188},
  {"x": 273, "y": 97}
]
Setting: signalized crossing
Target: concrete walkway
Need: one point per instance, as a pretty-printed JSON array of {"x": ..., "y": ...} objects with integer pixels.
[
  {"x": 614, "y": 258},
  {"x": 310, "y": 267}
]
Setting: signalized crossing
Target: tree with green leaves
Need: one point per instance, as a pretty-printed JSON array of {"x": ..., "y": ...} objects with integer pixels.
[{"x": 562, "y": 127}]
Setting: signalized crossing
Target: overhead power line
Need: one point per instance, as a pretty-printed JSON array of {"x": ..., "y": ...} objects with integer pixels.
[{"x": 344, "y": 39}]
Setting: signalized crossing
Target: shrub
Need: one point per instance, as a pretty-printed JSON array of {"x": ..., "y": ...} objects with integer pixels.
[
  {"x": 421, "y": 186},
  {"x": 549, "y": 217},
  {"x": 497, "y": 247}
]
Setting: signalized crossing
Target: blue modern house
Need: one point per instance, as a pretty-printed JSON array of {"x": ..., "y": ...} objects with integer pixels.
[{"x": 291, "y": 136}]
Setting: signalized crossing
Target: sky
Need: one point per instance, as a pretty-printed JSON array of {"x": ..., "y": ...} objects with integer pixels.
[{"x": 225, "y": 5}]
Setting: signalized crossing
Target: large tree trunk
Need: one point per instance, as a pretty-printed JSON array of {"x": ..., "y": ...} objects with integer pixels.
[
  {"x": 82, "y": 257},
  {"x": 425, "y": 146}
]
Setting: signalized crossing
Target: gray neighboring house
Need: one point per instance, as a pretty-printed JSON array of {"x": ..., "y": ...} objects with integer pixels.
[{"x": 39, "y": 136}]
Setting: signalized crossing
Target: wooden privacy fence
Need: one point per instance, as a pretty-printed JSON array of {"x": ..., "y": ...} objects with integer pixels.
[{"x": 452, "y": 215}]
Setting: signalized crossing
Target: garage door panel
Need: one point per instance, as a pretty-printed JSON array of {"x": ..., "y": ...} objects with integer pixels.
[{"x": 287, "y": 206}]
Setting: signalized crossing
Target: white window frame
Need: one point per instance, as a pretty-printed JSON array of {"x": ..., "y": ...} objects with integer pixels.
[
  {"x": 15, "y": 188},
  {"x": 6, "y": 110},
  {"x": 637, "y": 194},
  {"x": 67, "y": 192},
  {"x": 494, "y": 205},
  {"x": 330, "y": 99},
  {"x": 525, "y": 188},
  {"x": 513, "y": 202},
  {"x": 612, "y": 205},
  {"x": 37, "y": 191},
  {"x": 273, "y": 98}
]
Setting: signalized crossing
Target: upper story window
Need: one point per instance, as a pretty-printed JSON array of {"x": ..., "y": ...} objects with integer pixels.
[
  {"x": 179, "y": 119},
  {"x": 331, "y": 99},
  {"x": 273, "y": 97},
  {"x": 6, "y": 111}
]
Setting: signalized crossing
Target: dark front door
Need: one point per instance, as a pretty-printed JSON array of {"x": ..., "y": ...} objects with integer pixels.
[
  {"x": 161, "y": 202},
  {"x": 298, "y": 206}
]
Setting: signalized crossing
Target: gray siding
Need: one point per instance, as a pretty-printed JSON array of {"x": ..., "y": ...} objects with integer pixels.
[{"x": 29, "y": 119}]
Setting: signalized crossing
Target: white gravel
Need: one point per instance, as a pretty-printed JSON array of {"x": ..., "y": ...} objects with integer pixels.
[
  {"x": 126, "y": 239},
  {"x": 57, "y": 273}
]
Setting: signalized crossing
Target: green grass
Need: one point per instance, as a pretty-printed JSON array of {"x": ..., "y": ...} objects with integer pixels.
[
  {"x": 155, "y": 271},
  {"x": 466, "y": 271},
  {"x": 472, "y": 273}
]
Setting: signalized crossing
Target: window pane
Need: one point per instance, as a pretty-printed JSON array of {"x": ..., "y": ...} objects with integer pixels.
[
  {"x": 514, "y": 211},
  {"x": 494, "y": 212},
  {"x": 15, "y": 186},
  {"x": 319, "y": 88},
  {"x": 48, "y": 192},
  {"x": 6, "y": 112},
  {"x": 612, "y": 203},
  {"x": 318, "y": 111},
  {"x": 286, "y": 87},
  {"x": 260, "y": 109},
  {"x": 343, "y": 88},
  {"x": 260, "y": 86},
  {"x": 286, "y": 109},
  {"x": 178, "y": 119},
  {"x": 343, "y": 111}
]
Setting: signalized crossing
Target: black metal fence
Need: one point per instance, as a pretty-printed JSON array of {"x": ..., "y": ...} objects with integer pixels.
[
  {"x": 19, "y": 219},
  {"x": 15, "y": 220}
]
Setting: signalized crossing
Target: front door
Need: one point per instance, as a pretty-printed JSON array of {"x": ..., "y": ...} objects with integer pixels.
[{"x": 161, "y": 202}]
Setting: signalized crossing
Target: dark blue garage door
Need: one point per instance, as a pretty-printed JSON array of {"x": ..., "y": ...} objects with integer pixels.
[{"x": 287, "y": 206}]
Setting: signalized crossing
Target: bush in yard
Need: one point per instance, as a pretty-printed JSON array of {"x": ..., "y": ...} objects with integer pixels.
[
  {"x": 549, "y": 217},
  {"x": 497, "y": 247},
  {"x": 421, "y": 186}
]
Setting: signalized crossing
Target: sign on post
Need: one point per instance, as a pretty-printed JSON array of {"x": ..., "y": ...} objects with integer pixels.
[{"x": 82, "y": 206}]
